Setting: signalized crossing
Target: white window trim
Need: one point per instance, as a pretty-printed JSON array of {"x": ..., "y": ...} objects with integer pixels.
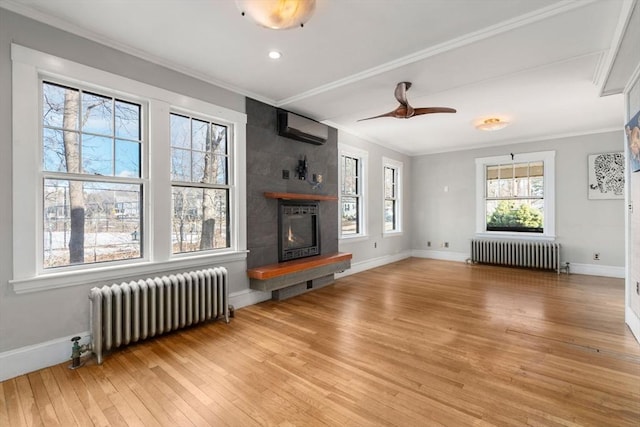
[
  {"x": 363, "y": 156},
  {"x": 548, "y": 157},
  {"x": 28, "y": 68},
  {"x": 398, "y": 166}
]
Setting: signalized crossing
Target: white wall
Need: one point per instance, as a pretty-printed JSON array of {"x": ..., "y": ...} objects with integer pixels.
[
  {"x": 374, "y": 249},
  {"x": 582, "y": 226}
]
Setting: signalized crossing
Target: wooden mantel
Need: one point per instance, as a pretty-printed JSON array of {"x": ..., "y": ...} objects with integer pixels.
[
  {"x": 298, "y": 196},
  {"x": 277, "y": 276}
]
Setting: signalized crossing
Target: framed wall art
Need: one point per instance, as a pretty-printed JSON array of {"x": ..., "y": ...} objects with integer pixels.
[
  {"x": 632, "y": 129},
  {"x": 606, "y": 176}
]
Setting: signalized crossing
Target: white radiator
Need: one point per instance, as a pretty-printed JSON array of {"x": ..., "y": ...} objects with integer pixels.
[
  {"x": 543, "y": 255},
  {"x": 131, "y": 311}
]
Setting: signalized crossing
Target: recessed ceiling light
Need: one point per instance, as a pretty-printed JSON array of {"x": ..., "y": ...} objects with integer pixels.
[{"x": 274, "y": 54}]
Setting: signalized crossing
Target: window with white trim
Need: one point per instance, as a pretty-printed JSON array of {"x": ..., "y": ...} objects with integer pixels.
[
  {"x": 199, "y": 190},
  {"x": 91, "y": 176},
  {"x": 97, "y": 170},
  {"x": 392, "y": 175},
  {"x": 352, "y": 192},
  {"x": 515, "y": 195}
]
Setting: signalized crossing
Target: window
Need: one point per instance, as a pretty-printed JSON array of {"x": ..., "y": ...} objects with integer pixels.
[
  {"x": 352, "y": 185},
  {"x": 516, "y": 194},
  {"x": 114, "y": 178},
  {"x": 200, "y": 191},
  {"x": 91, "y": 145},
  {"x": 392, "y": 195}
]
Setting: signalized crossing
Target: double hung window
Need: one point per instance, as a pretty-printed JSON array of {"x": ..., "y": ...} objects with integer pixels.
[
  {"x": 352, "y": 189},
  {"x": 516, "y": 194},
  {"x": 113, "y": 177},
  {"x": 392, "y": 172}
]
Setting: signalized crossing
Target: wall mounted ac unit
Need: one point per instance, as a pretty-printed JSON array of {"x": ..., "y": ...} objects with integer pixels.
[{"x": 301, "y": 128}]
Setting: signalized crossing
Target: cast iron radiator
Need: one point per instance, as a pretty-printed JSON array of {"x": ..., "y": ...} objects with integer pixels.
[
  {"x": 531, "y": 254},
  {"x": 132, "y": 311}
]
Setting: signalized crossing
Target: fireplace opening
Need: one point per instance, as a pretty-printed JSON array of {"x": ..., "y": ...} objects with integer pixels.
[{"x": 298, "y": 228}]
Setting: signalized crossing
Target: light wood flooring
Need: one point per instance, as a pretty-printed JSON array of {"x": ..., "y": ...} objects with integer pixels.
[{"x": 415, "y": 343}]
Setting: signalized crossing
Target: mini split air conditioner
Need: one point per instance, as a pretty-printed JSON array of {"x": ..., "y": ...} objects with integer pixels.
[{"x": 301, "y": 128}]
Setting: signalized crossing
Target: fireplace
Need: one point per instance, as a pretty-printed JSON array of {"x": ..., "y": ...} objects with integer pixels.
[{"x": 298, "y": 229}]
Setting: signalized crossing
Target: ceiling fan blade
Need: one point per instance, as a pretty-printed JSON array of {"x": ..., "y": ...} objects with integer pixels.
[
  {"x": 402, "y": 112},
  {"x": 431, "y": 110},
  {"x": 389, "y": 114}
]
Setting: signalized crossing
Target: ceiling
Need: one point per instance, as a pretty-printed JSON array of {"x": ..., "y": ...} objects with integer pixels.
[{"x": 541, "y": 65}]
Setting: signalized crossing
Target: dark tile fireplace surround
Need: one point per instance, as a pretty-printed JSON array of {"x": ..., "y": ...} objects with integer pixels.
[{"x": 270, "y": 158}]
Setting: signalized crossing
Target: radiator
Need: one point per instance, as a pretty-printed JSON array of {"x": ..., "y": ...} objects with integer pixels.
[
  {"x": 543, "y": 255},
  {"x": 132, "y": 311}
]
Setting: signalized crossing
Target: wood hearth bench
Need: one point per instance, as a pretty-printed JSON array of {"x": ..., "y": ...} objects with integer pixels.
[{"x": 281, "y": 275}]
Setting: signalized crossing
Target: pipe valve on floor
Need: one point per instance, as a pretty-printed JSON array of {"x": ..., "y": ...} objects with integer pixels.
[{"x": 76, "y": 353}]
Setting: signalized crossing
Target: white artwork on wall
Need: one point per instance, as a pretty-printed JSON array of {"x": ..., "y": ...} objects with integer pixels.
[{"x": 606, "y": 176}]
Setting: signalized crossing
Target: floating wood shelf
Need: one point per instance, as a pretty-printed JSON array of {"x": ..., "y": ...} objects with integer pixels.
[
  {"x": 277, "y": 276},
  {"x": 299, "y": 196}
]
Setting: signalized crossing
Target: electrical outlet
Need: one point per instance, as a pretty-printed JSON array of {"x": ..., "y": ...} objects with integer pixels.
[
  {"x": 446, "y": 244},
  {"x": 429, "y": 244},
  {"x": 638, "y": 288},
  {"x": 375, "y": 245},
  {"x": 285, "y": 174},
  {"x": 596, "y": 256}
]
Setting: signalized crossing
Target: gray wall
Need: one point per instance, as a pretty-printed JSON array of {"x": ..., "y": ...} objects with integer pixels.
[
  {"x": 42, "y": 316},
  {"x": 583, "y": 226},
  {"x": 376, "y": 249},
  {"x": 268, "y": 154}
]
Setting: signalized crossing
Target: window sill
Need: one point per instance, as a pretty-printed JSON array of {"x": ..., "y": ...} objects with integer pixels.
[
  {"x": 353, "y": 239},
  {"x": 391, "y": 234},
  {"x": 102, "y": 275},
  {"x": 515, "y": 236}
]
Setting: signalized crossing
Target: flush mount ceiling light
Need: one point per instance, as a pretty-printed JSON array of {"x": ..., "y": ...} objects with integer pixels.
[
  {"x": 492, "y": 124},
  {"x": 278, "y": 14},
  {"x": 274, "y": 54}
]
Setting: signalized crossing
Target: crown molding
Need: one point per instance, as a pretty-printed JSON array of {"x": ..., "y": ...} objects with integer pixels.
[{"x": 467, "y": 39}]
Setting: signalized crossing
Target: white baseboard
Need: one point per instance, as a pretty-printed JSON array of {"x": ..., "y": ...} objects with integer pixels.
[
  {"x": 633, "y": 321},
  {"x": 38, "y": 356},
  {"x": 443, "y": 255},
  {"x": 361, "y": 266},
  {"x": 597, "y": 270},
  {"x": 247, "y": 297}
]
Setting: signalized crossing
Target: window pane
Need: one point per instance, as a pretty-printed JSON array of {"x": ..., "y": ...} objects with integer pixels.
[
  {"x": 493, "y": 188},
  {"x": 55, "y": 100},
  {"x": 537, "y": 186},
  {"x": 200, "y": 219},
  {"x": 97, "y": 155},
  {"x": 515, "y": 215},
  {"x": 389, "y": 183},
  {"x": 180, "y": 165},
  {"x": 389, "y": 215},
  {"x": 89, "y": 222},
  {"x": 350, "y": 176},
  {"x": 127, "y": 116},
  {"x": 180, "y": 133},
  {"x": 53, "y": 153},
  {"x": 127, "y": 159},
  {"x": 200, "y": 135},
  {"x": 349, "y": 217},
  {"x": 219, "y": 139},
  {"x": 97, "y": 114}
]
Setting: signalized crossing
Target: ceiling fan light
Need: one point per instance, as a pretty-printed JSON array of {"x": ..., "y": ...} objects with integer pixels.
[
  {"x": 492, "y": 124},
  {"x": 278, "y": 14}
]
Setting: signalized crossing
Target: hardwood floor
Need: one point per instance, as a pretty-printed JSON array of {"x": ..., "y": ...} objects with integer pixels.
[{"x": 415, "y": 343}]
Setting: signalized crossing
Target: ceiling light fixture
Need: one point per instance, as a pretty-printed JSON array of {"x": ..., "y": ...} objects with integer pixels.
[
  {"x": 274, "y": 54},
  {"x": 492, "y": 124},
  {"x": 278, "y": 14}
]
